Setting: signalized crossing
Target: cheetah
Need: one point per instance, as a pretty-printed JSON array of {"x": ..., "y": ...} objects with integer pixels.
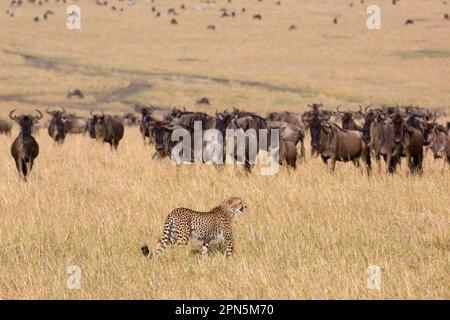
[{"x": 183, "y": 224}]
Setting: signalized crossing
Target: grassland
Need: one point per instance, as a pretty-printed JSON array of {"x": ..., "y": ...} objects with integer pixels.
[{"x": 307, "y": 234}]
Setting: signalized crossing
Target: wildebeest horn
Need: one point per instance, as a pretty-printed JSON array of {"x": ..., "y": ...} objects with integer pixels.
[
  {"x": 40, "y": 115},
  {"x": 367, "y": 109},
  {"x": 360, "y": 109},
  {"x": 11, "y": 115},
  {"x": 338, "y": 109}
]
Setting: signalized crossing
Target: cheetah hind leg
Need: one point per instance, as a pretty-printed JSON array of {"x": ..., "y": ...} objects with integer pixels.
[
  {"x": 169, "y": 236},
  {"x": 205, "y": 248}
]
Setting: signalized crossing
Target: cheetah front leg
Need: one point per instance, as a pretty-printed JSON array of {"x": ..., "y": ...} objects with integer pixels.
[{"x": 229, "y": 247}]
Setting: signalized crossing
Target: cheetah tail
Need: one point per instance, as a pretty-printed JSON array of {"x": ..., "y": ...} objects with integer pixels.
[{"x": 146, "y": 251}]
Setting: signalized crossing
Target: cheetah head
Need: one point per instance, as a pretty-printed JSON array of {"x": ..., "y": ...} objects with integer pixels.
[{"x": 234, "y": 205}]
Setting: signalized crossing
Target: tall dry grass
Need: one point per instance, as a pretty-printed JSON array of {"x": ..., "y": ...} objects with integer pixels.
[{"x": 307, "y": 233}]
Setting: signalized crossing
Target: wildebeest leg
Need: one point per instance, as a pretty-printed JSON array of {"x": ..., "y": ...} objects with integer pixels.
[
  {"x": 390, "y": 162},
  {"x": 25, "y": 169},
  {"x": 302, "y": 150},
  {"x": 368, "y": 161},
  {"x": 356, "y": 163},
  {"x": 19, "y": 167},
  {"x": 325, "y": 161},
  {"x": 248, "y": 166},
  {"x": 333, "y": 163},
  {"x": 378, "y": 160}
]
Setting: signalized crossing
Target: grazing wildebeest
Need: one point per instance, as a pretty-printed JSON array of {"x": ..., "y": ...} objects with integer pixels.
[
  {"x": 408, "y": 142},
  {"x": 25, "y": 149},
  {"x": 438, "y": 141},
  {"x": 106, "y": 128},
  {"x": 5, "y": 127},
  {"x": 348, "y": 122},
  {"x": 58, "y": 127},
  {"x": 337, "y": 144},
  {"x": 146, "y": 113}
]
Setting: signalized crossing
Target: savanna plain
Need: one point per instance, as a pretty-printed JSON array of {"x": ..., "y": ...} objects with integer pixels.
[{"x": 307, "y": 233}]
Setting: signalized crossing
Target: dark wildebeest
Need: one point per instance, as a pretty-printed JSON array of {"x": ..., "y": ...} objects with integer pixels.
[
  {"x": 337, "y": 144},
  {"x": 437, "y": 140},
  {"x": 348, "y": 122},
  {"x": 25, "y": 149},
  {"x": 380, "y": 137},
  {"x": 5, "y": 127},
  {"x": 162, "y": 132},
  {"x": 408, "y": 142},
  {"x": 146, "y": 113},
  {"x": 106, "y": 128},
  {"x": 58, "y": 127}
]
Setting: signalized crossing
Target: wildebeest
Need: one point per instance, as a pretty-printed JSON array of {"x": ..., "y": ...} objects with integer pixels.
[
  {"x": 25, "y": 149},
  {"x": 5, "y": 127},
  {"x": 438, "y": 141},
  {"x": 289, "y": 132},
  {"x": 288, "y": 153},
  {"x": 162, "y": 133},
  {"x": 380, "y": 137},
  {"x": 106, "y": 128},
  {"x": 76, "y": 124},
  {"x": 58, "y": 127},
  {"x": 348, "y": 121},
  {"x": 250, "y": 125},
  {"x": 75, "y": 93},
  {"x": 332, "y": 142},
  {"x": 408, "y": 142},
  {"x": 146, "y": 113}
]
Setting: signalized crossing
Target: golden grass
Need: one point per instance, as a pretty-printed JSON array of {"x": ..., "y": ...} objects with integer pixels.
[{"x": 307, "y": 234}]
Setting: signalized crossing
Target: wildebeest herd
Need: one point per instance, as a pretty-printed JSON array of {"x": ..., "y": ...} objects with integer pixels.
[{"x": 387, "y": 132}]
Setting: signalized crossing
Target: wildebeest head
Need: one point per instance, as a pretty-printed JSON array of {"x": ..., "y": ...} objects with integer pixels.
[
  {"x": 59, "y": 123},
  {"x": 162, "y": 137},
  {"x": 347, "y": 118},
  {"x": 316, "y": 123},
  {"x": 96, "y": 125},
  {"x": 25, "y": 122},
  {"x": 399, "y": 127},
  {"x": 370, "y": 116},
  {"x": 144, "y": 111}
]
